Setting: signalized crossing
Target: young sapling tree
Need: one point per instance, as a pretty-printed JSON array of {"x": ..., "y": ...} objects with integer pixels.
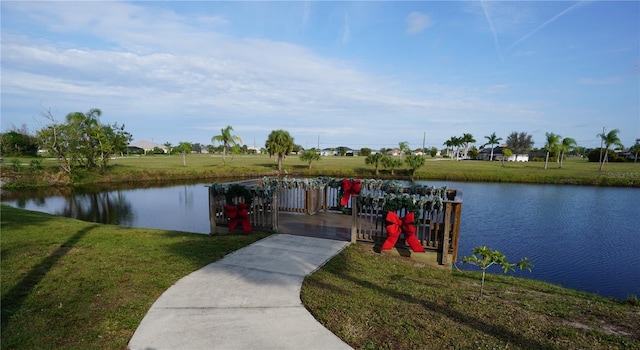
[{"x": 484, "y": 258}]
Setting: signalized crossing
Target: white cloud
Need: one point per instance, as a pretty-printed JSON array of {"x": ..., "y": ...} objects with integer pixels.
[
  {"x": 417, "y": 22},
  {"x": 601, "y": 81}
]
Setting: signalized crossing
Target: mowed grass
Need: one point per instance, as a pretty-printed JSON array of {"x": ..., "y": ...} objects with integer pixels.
[
  {"x": 379, "y": 301},
  {"x": 69, "y": 284},
  {"x": 132, "y": 169}
]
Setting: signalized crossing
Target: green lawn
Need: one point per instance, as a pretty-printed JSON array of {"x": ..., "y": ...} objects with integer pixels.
[
  {"x": 69, "y": 284},
  {"x": 210, "y": 167},
  {"x": 380, "y": 301}
]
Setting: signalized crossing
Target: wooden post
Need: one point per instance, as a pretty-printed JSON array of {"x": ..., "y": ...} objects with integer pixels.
[
  {"x": 444, "y": 245},
  {"x": 354, "y": 218},
  {"x": 274, "y": 211}
]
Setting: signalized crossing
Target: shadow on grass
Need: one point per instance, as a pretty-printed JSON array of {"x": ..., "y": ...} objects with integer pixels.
[
  {"x": 13, "y": 300},
  {"x": 496, "y": 331}
]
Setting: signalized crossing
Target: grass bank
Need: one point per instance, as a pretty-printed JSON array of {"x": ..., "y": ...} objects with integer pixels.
[
  {"x": 375, "y": 301},
  {"x": 204, "y": 167},
  {"x": 69, "y": 284}
]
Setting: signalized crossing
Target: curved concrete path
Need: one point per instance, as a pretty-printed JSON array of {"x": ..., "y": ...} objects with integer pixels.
[{"x": 250, "y": 299}]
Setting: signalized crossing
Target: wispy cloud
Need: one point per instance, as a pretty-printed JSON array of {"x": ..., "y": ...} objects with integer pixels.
[
  {"x": 546, "y": 23},
  {"x": 496, "y": 43},
  {"x": 601, "y": 81},
  {"x": 345, "y": 31},
  {"x": 417, "y": 22}
]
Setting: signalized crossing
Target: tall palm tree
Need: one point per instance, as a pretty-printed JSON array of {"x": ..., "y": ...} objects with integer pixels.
[
  {"x": 279, "y": 143},
  {"x": 404, "y": 148},
  {"x": 449, "y": 144},
  {"x": 467, "y": 139},
  {"x": 226, "y": 139},
  {"x": 611, "y": 138},
  {"x": 567, "y": 145},
  {"x": 552, "y": 144},
  {"x": 492, "y": 140}
]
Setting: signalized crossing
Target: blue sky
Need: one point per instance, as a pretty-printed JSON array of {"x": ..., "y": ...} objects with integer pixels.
[{"x": 357, "y": 74}]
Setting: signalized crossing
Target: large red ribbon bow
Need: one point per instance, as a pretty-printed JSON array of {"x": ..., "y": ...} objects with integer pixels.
[
  {"x": 396, "y": 226},
  {"x": 349, "y": 187},
  {"x": 238, "y": 214}
]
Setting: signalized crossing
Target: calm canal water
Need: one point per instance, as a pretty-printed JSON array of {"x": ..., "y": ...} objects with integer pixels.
[{"x": 585, "y": 238}]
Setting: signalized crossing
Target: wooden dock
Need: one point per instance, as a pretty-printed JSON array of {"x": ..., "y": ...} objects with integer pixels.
[{"x": 330, "y": 225}]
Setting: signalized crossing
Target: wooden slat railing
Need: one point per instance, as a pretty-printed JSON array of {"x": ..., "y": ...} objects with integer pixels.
[{"x": 437, "y": 230}]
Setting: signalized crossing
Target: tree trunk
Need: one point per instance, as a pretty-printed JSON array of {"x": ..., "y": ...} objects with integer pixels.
[
  {"x": 606, "y": 152},
  {"x": 546, "y": 160}
]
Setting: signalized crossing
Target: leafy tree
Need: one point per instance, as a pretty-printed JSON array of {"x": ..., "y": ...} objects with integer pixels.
[
  {"x": 567, "y": 145},
  {"x": 169, "y": 147},
  {"x": 609, "y": 139},
  {"x": 342, "y": 151},
  {"x": 82, "y": 140},
  {"x": 506, "y": 153},
  {"x": 519, "y": 143},
  {"x": 309, "y": 156},
  {"x": 197, "y": 147},
  {"x": 433, "y": 152},
  {"x": 391, "y": 163},
  {"x": 550, "y": 146},
  {"x": 226, "y": 139},
  {"x": 484, "y": 258},
  {"x": 612, "y": 157},
  {"x": 365, "y": 151},
  {"x": 492, "y": 140},
  {"x": 414, "y": 162},
  {"x": 16, "y": 143},
  {"x": 279, "y": 143},
  {"x": 374, "y": 159}
]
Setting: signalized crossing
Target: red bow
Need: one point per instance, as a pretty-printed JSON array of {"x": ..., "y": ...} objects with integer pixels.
[
  {"x": 396, "y": 226},
  {"x": 238, "y": 214},
  {"x": 349, "y": 187}
]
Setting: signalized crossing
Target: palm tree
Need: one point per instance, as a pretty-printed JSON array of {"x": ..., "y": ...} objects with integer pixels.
[
  {"x": 551, "y": 145},
  {"x": 279, "y": 143},
  {"x": 449, "y": 144},
  {"x": 168, "y": 147},
  {"x": 609, "y": 139},
  {"x": 374, "y": 159},
  {"x": 185, "y": 148},
  {"x": 226, "y": 139},
  {"x": 492, "y": 140},
  {"x": 567, "y": 145},
  {"x": 404, "y": 148},
  {"x": 467, "y": 139}
]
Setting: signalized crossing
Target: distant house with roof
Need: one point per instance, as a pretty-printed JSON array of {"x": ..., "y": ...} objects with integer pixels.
[
  {"x": 145, "y": 146},
  {"x": 485, "y": 154}
]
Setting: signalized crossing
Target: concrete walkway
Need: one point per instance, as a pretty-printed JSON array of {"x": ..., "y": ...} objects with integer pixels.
[{"x": 250, "y": 299}]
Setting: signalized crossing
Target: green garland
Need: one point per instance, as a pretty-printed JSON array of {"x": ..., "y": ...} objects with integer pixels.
[
  {"x": 237, "y": 190},
  {"x": 233, "y": 191}
]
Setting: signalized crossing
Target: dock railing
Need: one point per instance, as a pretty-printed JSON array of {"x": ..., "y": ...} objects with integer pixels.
[{"x": 437, "y": 210}]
